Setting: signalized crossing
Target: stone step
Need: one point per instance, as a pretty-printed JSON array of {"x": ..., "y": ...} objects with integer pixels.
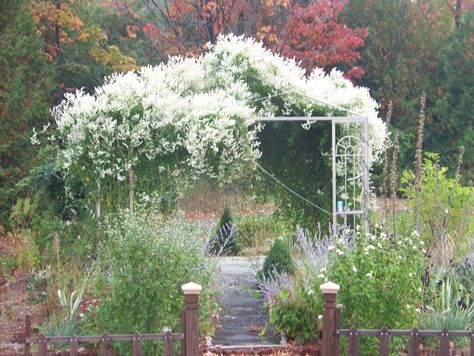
[{"x": 243, "y": 316}]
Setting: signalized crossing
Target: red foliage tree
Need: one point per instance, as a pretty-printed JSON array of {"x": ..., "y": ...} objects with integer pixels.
[{"x": 310, "y": 33}]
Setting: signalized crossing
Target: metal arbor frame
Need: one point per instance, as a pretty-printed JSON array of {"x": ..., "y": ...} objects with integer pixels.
[{"x": 358, "y": 151}]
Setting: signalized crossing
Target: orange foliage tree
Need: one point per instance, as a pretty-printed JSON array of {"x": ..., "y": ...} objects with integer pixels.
[{"x": 62, "y": 28}]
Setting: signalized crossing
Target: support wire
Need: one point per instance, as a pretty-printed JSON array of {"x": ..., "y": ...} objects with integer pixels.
[{"x": 291, "y": 190}]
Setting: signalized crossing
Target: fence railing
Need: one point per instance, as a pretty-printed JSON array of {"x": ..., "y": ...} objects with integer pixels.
[
  {"x": 332, "y": 332},
  {"x": 189, "y": 335}
]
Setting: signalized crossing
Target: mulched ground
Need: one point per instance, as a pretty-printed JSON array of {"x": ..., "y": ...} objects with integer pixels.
[
  {"x": 14, "y": 298},
  {"x": 14, "y": 305}
]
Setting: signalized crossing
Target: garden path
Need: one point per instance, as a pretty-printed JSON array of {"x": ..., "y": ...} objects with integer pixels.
[{"x": 243, "y": 318}]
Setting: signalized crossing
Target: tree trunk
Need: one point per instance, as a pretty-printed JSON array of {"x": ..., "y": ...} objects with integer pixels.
[
  {"x": 97, "y": 204},
  {"x": 457, "y": 14},
  {"x": 131, "y": 194},
  {"x": 57, "y": 28}
]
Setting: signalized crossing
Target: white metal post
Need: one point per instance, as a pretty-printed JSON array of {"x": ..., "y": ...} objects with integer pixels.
[
  {"x": 334, "y": 177},
  {"x": 366, "y": 182}
]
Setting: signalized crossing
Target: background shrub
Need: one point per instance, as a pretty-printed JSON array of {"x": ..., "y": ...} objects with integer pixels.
[
  {"x": 257, "y": 232},
  {"x": 278, "y": 261}
]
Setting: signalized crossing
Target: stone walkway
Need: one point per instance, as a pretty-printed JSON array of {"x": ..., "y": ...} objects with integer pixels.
[{"x": 243, "y": 318}]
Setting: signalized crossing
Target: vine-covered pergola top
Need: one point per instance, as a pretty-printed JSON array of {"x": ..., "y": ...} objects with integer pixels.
[{"x": 201, "y": 116}]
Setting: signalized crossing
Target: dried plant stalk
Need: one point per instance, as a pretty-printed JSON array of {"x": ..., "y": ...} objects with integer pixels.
[
  {"x": 394, "y": 181},
  {"x": 419, "y": 159},
  {"x": 460, "y": 162},
  {"x": 386, "y": 145}
]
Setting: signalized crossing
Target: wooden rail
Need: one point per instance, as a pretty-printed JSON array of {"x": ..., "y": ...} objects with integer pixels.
[
  {"x": 332, "y": 332},
  {"x": 189, "y": 336},
  {"x": 105, "y": 342}
]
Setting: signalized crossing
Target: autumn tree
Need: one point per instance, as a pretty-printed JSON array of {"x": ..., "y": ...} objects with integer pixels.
[
  {"x": 78, "y": 46},
  {"x": 311, "y": 33}
]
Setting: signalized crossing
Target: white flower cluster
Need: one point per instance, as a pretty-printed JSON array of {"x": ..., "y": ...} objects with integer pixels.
[
  {"x": 236, "y": 58},
  {"x": 197, "y": 115}
]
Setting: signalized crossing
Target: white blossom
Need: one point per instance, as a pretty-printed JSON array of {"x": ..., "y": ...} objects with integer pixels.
[{"x": 200, "y": 109}]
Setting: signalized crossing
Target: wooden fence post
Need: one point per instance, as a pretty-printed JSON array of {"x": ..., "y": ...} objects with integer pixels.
[
  {"x": 73, "y": 345},
  {"x": 330, "y": 337},
  {"x": 137, "y": 344},
  {"x": 43, "y": 345},
  {"x": 414, "y": 343},
  {"x": 191, "y": 318},
  {"x": 27, "y": 350},
  {"x": 105, "y": 345},
  {"x": 444, "y": 342}
]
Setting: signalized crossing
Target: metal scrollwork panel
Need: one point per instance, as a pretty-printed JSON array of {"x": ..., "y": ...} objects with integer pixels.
[{"x": 349, "y": 158}]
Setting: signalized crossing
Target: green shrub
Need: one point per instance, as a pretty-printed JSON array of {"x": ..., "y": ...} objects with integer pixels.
[
  {"x": 22, "y": 213},
  {"x": 445, "y": 207},
  {"x": 380, "y": 285},
  {"x": 257, "y": 232},
  {"x": 225, "y": 219},
  {"x": 296, "y": 313},
  {"x": 145, "y": 260},
  {"x": 28, "y": 255},
  {"x": 380, "y": 281},
  {"x": 278, "y": 261}
]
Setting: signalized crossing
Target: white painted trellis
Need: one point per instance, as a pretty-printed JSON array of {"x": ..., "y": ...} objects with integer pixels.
[{"x": 358, "y": 152}]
